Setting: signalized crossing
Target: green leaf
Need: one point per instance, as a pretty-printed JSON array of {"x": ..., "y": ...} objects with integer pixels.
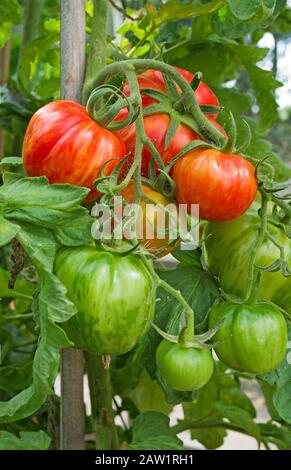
[
  {"x": 10, "y": 11},
  {"x": 239, "y": 18},
  {"x": 239, "y": 417},
  {"x": 33, "y": 54},
  {"x": 221, "y": 398},
  {"x": 209, "y": 58},
  {"x": 282, "y": 23},
  {"x": 234, "y": 101},
  {"x": 173, "y": 10},
  {"x": 261, "y": 148},
  {"x": 248, "y": 9},
  {"x": 42, "y": 210},
  {"x": 45, "y": 365},
  {"x": 16, "y": 377},
  {"x": 7, "y": 230},
  {"x": 264, "y": 84},
  {"x": 26, "y": 441},
  {"x": 211, "y": 438},
  {"x": 11, "y": 161},
  {"x": 280, "y": 379},
  {"x": 55, "y": 206},
  {"x": 151, "y": 431},
  {"x": 278, "y": 435},
  {"x": 148, "y": 395},
  {"x": 197, "y": 286},
  {"x": 5, "y": 31},
  {"x": 22, "y": 289}
]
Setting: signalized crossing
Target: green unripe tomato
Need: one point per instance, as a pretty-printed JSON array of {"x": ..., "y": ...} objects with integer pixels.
[
  {"x": 252, "y": 338},
  {"x": 229, "y": 253},
  {"x": 114, "y": 295},
  {"x": 184, "y": 369}
]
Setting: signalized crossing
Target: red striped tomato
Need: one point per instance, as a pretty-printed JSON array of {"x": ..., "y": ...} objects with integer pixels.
[
  {"x": 223, "y": 185},
  {"x": 64, "y": 144}
]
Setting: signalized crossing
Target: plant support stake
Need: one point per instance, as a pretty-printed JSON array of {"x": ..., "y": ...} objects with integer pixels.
[{"x": 73, "y": 42}]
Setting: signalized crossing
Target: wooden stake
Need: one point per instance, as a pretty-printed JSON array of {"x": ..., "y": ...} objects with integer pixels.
[{"x": 73, "y": 42}]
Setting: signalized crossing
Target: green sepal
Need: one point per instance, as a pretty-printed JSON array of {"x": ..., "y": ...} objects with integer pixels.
[
  {"x": 174, "y": 124},
  {"x": 172, "y": 91}
]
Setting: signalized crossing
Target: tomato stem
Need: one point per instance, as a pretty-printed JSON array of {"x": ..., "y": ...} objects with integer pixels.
[
  {"x": 190, "y": 315},
  {"x": 101, "y": 402}
]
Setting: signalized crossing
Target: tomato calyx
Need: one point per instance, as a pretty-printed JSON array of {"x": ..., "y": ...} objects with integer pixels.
[{"x": 186, "y": 340}]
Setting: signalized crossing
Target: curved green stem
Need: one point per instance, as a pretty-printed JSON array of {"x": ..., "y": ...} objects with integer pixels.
[
  {"x": 209, "y": 424},
  {"x": 177, "y": 295},
  {"x": 9, "y": 318}
]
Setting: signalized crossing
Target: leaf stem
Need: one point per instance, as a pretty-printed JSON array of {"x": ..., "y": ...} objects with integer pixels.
[{"x": 9, "y": 318}]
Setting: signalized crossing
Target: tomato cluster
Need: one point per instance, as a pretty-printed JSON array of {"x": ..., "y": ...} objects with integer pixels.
[
  {"x": 114, "y": 294},
  {"x": 66, "y": 145}
]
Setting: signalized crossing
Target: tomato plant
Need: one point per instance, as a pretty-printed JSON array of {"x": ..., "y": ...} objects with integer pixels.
[
  {"x": 115, "y": 297},
  {"x": 174, "y": 104},
  {"x": 223, "y": 185},
  {"x": 184, "y": 368},
  {"x": 64, "y": 144},
  {"x": 252, "y": 338}
]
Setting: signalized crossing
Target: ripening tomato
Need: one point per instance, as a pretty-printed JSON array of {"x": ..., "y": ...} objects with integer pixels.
[
  {"x": 223, "y": 185},
  {"x": 252, "y": 338},
  {"x": 114, "y": 295},
  {"x": 184, "y": 369},
  {"x": 154, "y": 80},
  {"x": 156, "y": 127},
  {"x": 152, "y": 224},
  {"x": 64, "y": 144}
]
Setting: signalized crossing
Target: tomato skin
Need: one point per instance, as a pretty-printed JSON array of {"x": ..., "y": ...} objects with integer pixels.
[
  {"x": 64, "y": 144},
  {"x": 228, "y": 250},
  {"x": 184, "y": 369},
  {"x": 148, "y": 219},
  {"x": 223, "y": 185},
  {"x": 115, "y": 298},
  {"x": 253, "y": 338}
]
